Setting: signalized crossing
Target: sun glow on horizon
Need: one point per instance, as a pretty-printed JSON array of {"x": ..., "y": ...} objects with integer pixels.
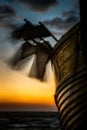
[{"x": 18, "y": 88}]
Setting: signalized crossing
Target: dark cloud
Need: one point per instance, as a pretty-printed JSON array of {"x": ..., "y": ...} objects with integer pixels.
[
  {"x": 71, "y": 20},
  {"x": 6, "y": 23},
  {"x": 60, "y": 23},
  {"x": 68, "y": 19},
  {"x": 7, "y": 14},
  {"x": 6, "y": 10},
  {"x": 40, "y": 5},
  {"x": 69, "y": 13},
  {"x": 37, "y": 5}
]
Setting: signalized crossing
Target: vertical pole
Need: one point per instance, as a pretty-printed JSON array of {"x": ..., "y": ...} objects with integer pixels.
[{"x": 83, "y": 18}]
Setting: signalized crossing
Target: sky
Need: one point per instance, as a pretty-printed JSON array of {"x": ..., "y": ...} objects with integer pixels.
[{"x": 17, "y": 90}]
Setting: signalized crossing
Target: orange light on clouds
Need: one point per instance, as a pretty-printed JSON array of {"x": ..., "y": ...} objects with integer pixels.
[{"x": 18, "y": 88}]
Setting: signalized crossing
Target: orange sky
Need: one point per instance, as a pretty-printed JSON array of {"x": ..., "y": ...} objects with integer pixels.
[{"x": 17, "y": 91}]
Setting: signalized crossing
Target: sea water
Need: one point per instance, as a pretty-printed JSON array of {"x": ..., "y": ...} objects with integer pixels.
[{"x": 29, "y": 121}]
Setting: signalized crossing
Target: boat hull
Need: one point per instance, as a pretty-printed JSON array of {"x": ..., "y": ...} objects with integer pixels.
[{"x": 71, "y": 73}]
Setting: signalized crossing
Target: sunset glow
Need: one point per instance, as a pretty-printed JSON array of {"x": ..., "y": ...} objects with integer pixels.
[{"x": 18, "y": 88}]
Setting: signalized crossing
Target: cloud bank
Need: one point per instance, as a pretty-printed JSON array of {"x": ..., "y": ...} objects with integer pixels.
[{"x": 40, "y": 5}]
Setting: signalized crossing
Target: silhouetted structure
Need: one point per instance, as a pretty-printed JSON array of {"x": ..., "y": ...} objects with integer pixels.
[
  {"x": 42, "y": 48},
  {"x": 29, "y": 31}
]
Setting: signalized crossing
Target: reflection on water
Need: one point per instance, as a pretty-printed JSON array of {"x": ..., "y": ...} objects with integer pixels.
[{"x": 29, "y": 121}]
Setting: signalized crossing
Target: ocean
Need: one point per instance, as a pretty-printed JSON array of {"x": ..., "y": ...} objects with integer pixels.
[{"x": 29, "y": 121}]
